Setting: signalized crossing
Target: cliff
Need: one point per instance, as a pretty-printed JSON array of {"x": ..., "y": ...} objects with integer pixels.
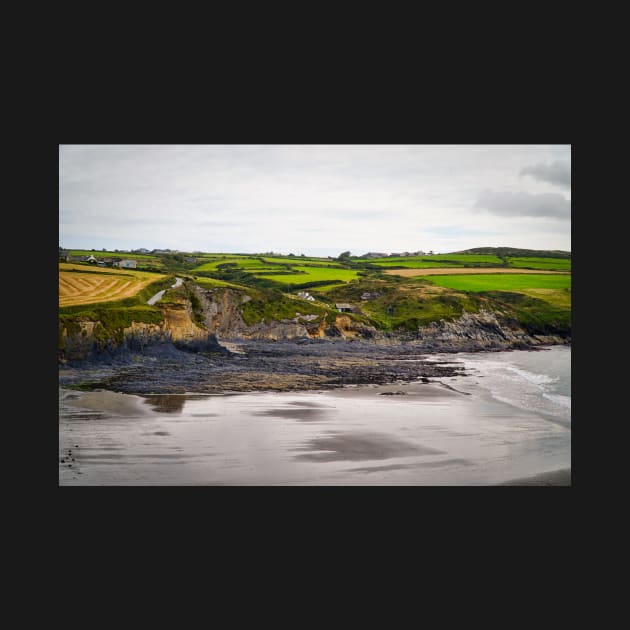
[
  {"x": 223, "y": 315},
  {"x": 484, "y": 330},
  {"x": 197, "y": 318},
  {"x": 83, "y": 337}
]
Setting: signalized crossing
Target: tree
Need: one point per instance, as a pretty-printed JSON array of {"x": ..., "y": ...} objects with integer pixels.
[{"x": 343, "y": 256}]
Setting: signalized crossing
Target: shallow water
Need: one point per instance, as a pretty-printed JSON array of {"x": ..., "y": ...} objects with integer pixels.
[
  {"x": 352, "y": 436},
  {"x": 536, "y": 380}
]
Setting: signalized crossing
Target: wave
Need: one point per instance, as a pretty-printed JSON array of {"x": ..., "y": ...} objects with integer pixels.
[
  {"x": 530, "y": 382},
  {"x": 531, "y": 377}
]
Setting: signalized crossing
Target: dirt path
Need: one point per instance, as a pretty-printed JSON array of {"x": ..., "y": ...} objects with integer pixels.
[{"x": 160, "y": 294}]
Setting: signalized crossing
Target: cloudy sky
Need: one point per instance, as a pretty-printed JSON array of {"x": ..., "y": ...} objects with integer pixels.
[{"x": 314, "y": 199}]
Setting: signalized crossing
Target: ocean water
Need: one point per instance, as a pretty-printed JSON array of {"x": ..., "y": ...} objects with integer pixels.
[
  {"x": 535, "y": 380},
  {"x": 510, "y": 418}
]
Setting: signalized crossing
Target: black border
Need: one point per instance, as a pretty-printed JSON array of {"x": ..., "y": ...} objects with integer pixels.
[{"x": 402, "y": 110}]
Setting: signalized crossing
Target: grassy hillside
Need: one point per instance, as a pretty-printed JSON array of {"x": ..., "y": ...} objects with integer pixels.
[
  {"x": 541, "y": 302},
  {"x": 516, "y": 252}
]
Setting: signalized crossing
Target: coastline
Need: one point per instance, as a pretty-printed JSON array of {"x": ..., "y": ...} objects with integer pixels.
[
  {"x": 279, "y": 366},
  {"x": 401, "y": 433}
]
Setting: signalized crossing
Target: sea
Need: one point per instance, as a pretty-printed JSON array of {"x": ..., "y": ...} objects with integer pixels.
[{"x": 508, "y": 418}]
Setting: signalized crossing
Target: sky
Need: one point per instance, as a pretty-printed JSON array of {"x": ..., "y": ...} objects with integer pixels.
[{"x": 317, "y": 200}]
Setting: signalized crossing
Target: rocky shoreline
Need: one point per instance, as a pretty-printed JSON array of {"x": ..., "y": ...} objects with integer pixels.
[
  {"x": 263, "y": 366},
  {"x": 223, "y": 354}
]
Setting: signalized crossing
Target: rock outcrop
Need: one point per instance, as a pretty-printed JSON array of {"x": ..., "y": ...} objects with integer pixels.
[
  {"x": 483, "y": 330},
  {"x": 222, "y": 317},
  {"x": 83, "y": 339},
  {"x": 219, "y": 315}
]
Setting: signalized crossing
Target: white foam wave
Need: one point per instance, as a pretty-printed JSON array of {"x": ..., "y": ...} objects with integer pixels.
[{"x": 531, "y": 377}]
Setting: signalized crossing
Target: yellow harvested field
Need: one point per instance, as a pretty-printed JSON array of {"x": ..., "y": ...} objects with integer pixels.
[
  {"x": 458, "y": 271},
  {"x": 88, "y": 288}
]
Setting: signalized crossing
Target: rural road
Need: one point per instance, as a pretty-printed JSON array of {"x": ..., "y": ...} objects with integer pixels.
[{"x": 160, "y": 294}]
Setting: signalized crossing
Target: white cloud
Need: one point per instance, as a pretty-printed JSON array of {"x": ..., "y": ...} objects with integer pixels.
[{"x": 297, "y": 197}]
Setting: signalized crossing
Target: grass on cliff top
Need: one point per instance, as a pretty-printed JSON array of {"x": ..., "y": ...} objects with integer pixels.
[
  {"x": 404, "y": 305},
  {"x": 400, "y": 305},
  {"x": 408, "y": 310},
  {"x": 536, "y": 316},
  {"x": 270, "y": 305}
]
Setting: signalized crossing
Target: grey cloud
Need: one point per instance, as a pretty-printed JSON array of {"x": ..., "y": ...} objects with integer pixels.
[
  {"x": 510, "y": 204},
  {"x": 558, "y": 173}
]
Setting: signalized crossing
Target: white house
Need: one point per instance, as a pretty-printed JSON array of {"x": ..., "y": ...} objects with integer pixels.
[
  {"x": 127, "y": 264},
  {"x": 306, "y": 296}
]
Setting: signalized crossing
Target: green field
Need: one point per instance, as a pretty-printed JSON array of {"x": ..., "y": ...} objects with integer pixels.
[
  {"x": 437, "y": 260},
  {"x": 410, "y": 263},
  {"x": 298, "y": 260},
  {"x": 502, "y": 282},
  {"x": 312, "y": 274},
  {"x": 554, "y": 264},
  {"x": 242, "y": 263},
  {"x": 211, "y": 283}
]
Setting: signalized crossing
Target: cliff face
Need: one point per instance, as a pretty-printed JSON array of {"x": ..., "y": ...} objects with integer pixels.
[
  {"x": 222, "y": 312},
  {"x": 484, "y": 330},
  {"x": 83, "y": 339}
]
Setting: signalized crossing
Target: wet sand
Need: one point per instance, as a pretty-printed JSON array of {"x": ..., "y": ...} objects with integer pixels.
[
  {"x": 402, "y": 434},
  {"x": 555, "y": 478}
]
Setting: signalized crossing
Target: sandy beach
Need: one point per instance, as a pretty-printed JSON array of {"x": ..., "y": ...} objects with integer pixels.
[{"x": 400, "y": 434}]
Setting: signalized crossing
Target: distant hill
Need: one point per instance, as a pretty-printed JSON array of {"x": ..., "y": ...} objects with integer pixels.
[{"x": 515, "y": 252}]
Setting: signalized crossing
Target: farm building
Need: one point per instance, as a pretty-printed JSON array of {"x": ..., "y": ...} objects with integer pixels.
[
  {"x": 344, "y": 307},
  {"x": 190, "y": 259},
  {"x": 127, "y": 264}
]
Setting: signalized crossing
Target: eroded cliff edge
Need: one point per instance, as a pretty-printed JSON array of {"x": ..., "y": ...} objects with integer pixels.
[{"x": 197, "y": 319}]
